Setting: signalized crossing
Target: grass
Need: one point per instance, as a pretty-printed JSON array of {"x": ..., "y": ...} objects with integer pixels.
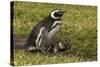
[{"x": 78, "y": 25}]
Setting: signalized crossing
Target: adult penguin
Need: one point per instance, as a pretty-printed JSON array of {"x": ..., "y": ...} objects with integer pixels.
[{"x": 43, "y": 32}]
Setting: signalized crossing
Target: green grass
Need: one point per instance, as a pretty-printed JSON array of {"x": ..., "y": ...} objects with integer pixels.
[{"x": 78, "y": 24}]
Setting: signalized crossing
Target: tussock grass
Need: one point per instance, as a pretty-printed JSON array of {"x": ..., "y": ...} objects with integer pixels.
[{"x": 78, "y": 25}]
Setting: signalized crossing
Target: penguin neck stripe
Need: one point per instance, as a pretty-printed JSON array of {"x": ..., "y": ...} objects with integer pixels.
[{"x": 55, "y": 23}]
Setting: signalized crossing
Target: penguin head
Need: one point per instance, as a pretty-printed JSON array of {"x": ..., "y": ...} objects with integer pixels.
[{"x": 56, "y": 14}]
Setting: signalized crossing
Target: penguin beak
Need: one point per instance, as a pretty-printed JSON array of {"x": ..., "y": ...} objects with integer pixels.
[
  {"x": 63, "y": 11},
  {"x": 60, "y": 13}
]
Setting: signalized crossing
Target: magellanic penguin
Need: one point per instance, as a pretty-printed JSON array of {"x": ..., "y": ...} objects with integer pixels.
[{"x": 43, "y": 32}]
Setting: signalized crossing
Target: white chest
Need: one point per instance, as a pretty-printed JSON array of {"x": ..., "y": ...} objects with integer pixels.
[{"x": 55, "y": 30}]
